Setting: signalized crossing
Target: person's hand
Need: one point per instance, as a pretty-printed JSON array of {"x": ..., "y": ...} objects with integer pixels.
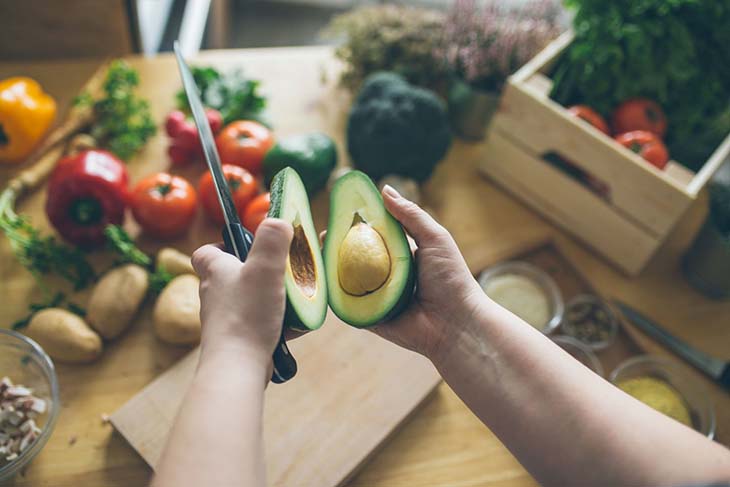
[
  {"x": 447, "y": 295},
  {"x": 242, "y": 305}
]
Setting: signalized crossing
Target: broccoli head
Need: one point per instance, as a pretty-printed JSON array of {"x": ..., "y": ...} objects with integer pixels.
[{"x": 397, "y": 128}]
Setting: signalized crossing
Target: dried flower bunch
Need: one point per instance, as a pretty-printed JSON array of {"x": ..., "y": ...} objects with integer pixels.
[
  {"x": 389, "y": 38},
  {"x": 484, "y": 43}
]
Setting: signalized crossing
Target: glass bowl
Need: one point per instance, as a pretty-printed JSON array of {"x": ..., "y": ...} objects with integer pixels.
[
  {"x": 595, "y": 301},
  {"x": 25, "y": 363},
  {"x": 580, "y": 352},
  {"x": 539, "y": 277},
  {"x": 701, "y": 410}
]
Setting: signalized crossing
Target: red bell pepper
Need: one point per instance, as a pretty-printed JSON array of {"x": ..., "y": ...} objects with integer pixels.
[
  {"x": 87, "y": 191},
  {"x": 184, "y": 141}
]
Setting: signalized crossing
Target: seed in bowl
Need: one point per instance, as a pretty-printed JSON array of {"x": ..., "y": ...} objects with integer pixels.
[{"x": 19, "y": 409}]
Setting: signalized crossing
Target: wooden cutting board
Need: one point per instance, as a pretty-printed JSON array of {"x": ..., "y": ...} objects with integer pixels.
[{"x": 353, "y": 389}]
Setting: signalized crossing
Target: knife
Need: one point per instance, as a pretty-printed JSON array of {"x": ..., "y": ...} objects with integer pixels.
[
  {"x": 715, "y": 368},
  {"x": 236, "y": 238}
]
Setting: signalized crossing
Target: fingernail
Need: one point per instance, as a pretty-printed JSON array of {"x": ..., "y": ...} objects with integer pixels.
[{"x": 390, "y": 191}]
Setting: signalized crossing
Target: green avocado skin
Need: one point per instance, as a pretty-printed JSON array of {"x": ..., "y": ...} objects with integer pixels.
[
  {"x": 408, "y": 293},
  {"x": 313, "y": 156},
  {"x": 291, "y": 318}
]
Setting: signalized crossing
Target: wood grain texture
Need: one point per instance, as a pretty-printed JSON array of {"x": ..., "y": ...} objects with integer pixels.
[
  {"x": 49, "y": 29},
  {"x": 568, "y": 203},
  {"x": 351, "y": 392},
  {"x": 443, "y": 444}
]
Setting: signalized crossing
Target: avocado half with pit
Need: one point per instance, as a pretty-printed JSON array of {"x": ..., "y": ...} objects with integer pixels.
[
  {"x": 304, "y": 279},
  {"x": 369, "y": 264}
]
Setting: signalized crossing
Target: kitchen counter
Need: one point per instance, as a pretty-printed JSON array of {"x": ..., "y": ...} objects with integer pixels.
[{"x": 443, "y": 444}]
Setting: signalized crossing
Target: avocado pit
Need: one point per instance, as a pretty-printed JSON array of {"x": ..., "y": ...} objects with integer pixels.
[
  {"x": 301, "y": 262},
  {"x": 363, "y": 263}
]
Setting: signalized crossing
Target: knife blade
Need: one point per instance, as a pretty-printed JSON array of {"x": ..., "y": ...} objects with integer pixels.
[
  {"x": 714, "y": 367},
  {"x": 236, "y": 237}
]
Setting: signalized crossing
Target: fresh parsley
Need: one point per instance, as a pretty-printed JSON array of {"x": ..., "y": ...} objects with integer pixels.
[
  {"x": 672, "y": 51},
  {"x": 232, "y": 94}
]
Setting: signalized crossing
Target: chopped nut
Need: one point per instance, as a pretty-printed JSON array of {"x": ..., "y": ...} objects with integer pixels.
[
  {"x": 72, "y": 441},
  {"x": 18, "y": 410},
  {"x": 105, "y": 418}
]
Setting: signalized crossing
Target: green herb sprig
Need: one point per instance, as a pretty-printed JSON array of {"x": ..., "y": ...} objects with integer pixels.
[
  {"x": 232, "y": 94},
  {"x": 122, "y": 121},
  {"x": 127, "y": 252},
  {"x": 42, "y": 255}
]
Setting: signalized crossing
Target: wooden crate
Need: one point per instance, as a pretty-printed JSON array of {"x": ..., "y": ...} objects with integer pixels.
[{"x": 637, "y": 206}]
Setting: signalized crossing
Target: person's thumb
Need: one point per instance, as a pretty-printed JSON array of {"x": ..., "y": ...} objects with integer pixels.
[
  {"x": 271, "y": 246},
  {"x": 417, "y": 222},
  {"x": 207, "y": 257}
]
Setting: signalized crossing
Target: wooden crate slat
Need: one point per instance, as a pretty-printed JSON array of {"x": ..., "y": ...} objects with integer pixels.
[
  {"x": 568, "y": 204},
  {"x": 637, "y": 188}
]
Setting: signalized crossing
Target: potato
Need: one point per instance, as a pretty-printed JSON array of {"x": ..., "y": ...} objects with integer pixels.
[
  {"x": 176, "y": 315},
  {"x": 116, "y": 299},
  {"x": 64, "y": 336},
  {"x": 174, "y": 261}
]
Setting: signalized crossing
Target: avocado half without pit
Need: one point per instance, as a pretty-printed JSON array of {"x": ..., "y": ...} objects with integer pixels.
[
  {"x": 369, "y": 265},
  {"x": 304, "y": 280}
]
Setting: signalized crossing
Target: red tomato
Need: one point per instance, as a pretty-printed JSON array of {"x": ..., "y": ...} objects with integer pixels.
[
  {"x": 163, "y": 205},
  {"x": 639, "y": 114},
  {"x": 244, "y": 143},
  {"x": 256, "y": 211},
  {"x": 647, "y": 145},
  {"x": 591, "y": 116},
  {"x": 243, "y": 188}
]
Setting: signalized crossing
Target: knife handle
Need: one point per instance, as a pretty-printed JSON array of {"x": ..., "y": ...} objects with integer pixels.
[
  {"x": 241, "y": 243},
  {"x": 238, "y": 242}
]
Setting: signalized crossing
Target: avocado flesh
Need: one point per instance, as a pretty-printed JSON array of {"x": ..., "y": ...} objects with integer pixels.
[
  {"x": 304, "y": 279},
  {"x": 362, "y": 300}
]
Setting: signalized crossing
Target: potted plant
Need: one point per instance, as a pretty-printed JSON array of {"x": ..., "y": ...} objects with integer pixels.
[
  {"x": 706, "y": 264},
  {"x": 483, "y": 44}
]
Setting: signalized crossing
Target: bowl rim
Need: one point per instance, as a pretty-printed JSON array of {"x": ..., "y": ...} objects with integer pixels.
[
  {"x": 593, "y": 298},
  {"x": 11, "y": 468},
  {"x": 673, "y": 367},
  {"x": 541, "y": 278}
]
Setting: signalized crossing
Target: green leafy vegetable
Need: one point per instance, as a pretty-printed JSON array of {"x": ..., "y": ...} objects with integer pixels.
[
  {"x": 672, "y": 51},
  {"x": 232, "y": 94},
  {"x": 122, "y": 120},
  {"x": 127, "y": 252},
  {"x": 42, "y": 255},
  {"x": 124, "y": 247}
]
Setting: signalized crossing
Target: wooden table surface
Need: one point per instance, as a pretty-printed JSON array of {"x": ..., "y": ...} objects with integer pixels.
[{"x": 444, "y": 444}]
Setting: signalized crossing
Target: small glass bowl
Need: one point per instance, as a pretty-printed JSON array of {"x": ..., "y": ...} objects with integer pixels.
[
  {"x": 25, "y": 363},
  {"x": 580, "y": 352},
  {"x": 701, "y": 410},
  {"x": 583, "y": 299},
  {"x": 539, "y": 277}
]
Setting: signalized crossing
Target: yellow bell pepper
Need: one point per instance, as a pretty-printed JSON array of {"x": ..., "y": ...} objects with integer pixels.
[{"x": 26, "y": 112}]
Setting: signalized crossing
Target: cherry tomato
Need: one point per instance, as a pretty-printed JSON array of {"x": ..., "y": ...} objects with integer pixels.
[
  {"x": 647, "y": 145},
  {"x": 591, "y": 116},
  {"x": 256, "y": 211},
  {"x": 243, "y": 188},
  {"x": 639, "y": 114},
  {"x": 163, "y": 205},
  {"x": 244, "y": 143}
]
